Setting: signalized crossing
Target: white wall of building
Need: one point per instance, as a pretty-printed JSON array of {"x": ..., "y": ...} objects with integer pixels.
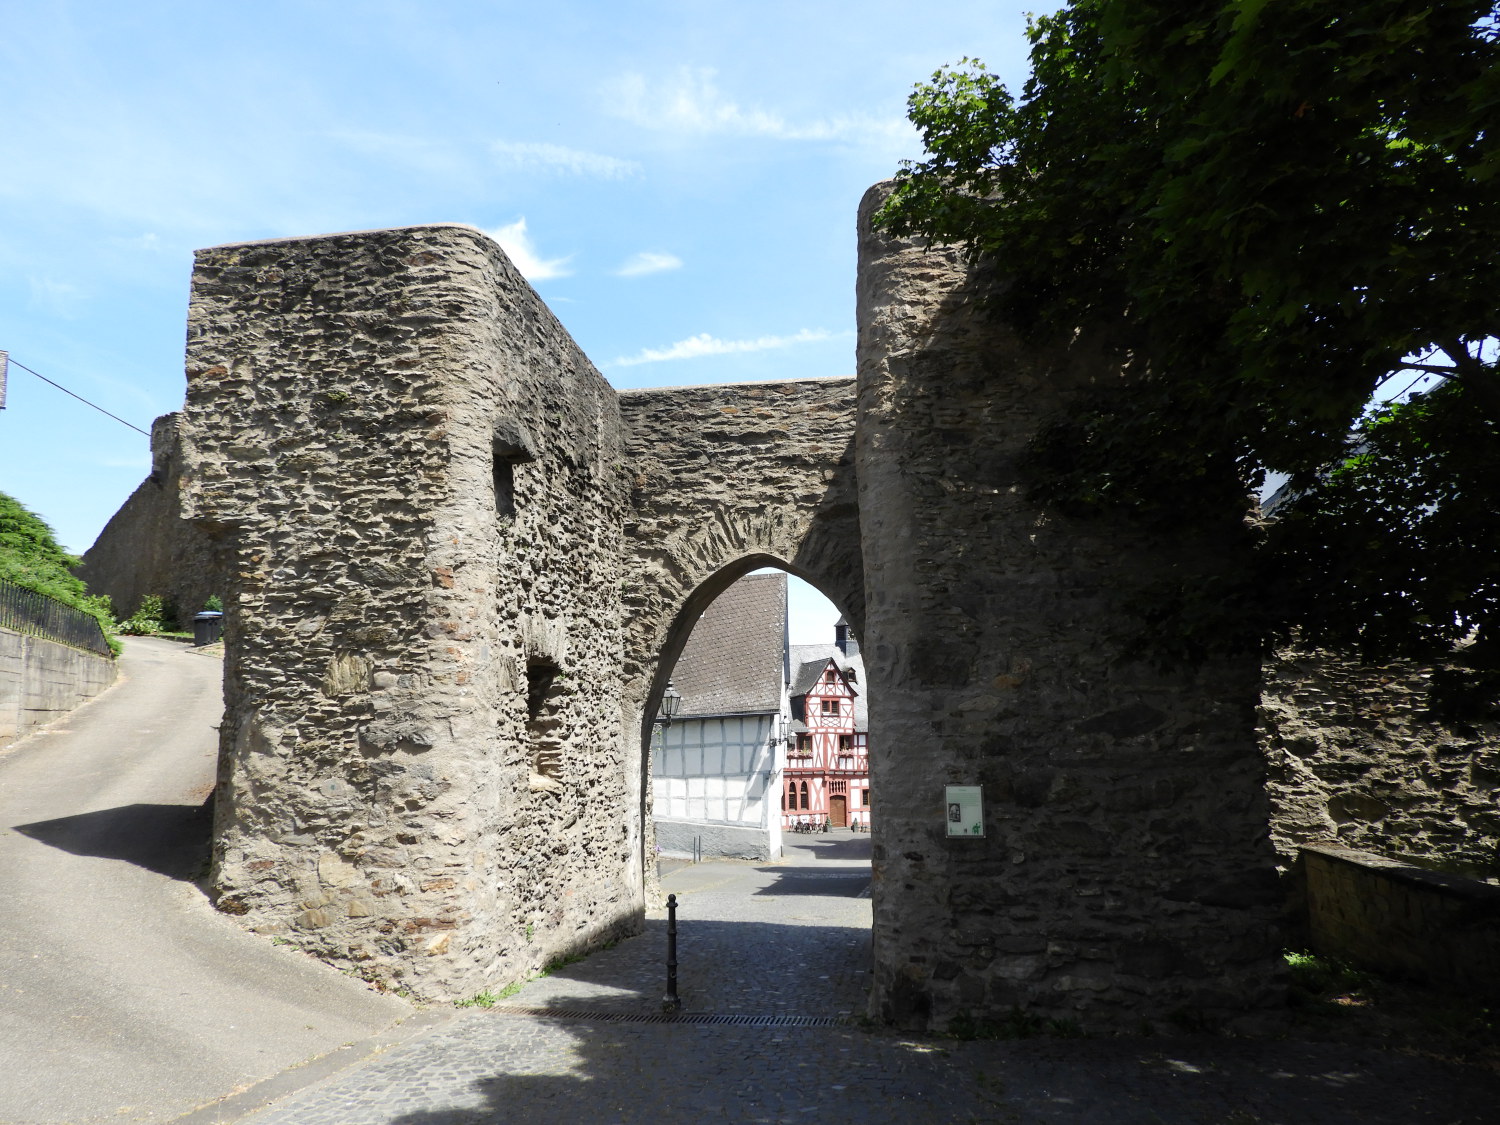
[{"x": 718, "y": 773}]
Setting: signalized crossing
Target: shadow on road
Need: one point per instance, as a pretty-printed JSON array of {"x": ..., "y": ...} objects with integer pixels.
[
  {"x": 837, "y": 882},
  {"x": 839, "y": 844},
  {"x": 172, "y": 840},
  {"x": 656, "y": 1075},
  {"x": 742, "y": 968}
]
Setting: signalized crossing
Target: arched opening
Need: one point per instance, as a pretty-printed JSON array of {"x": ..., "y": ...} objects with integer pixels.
[{"x": 757, "y": 787}]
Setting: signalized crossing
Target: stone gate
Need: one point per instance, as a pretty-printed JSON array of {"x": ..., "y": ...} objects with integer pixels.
[{"x": 460, "y": 564}]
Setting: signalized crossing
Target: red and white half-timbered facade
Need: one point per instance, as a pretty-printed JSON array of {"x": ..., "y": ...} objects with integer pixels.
[{"x": 827, "y": 773}]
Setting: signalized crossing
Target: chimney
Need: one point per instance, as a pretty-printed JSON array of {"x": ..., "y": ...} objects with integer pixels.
[{"x": 846, "y": 643}]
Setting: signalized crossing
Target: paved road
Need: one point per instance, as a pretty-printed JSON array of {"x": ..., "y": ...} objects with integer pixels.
[
  {"x": 123, "y": 996},
  {"x": 790, "y": 942}
]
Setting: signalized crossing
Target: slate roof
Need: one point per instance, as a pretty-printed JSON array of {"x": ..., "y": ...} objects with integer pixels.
[
  {"x": 734, "y": 661},
  {"x": 808, "y": 662}
]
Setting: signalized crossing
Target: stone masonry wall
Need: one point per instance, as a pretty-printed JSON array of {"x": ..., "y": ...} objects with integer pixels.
[
  {"x": 725, "y": 479},
  {"x": 1355, "y": 757},
  {"x": 1126, "y": 873},
  {"x": 1385, "y": 915},
  {"x": 148, "y": 548},
  {"x": 419, "y": 476},
  {"x": 41, "y": 680}
]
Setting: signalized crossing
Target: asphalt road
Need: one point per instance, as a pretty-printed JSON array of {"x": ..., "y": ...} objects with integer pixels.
[{"x": 123, "y": 996}]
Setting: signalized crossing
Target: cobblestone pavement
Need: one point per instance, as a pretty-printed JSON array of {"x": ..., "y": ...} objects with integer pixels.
[{"x": 791, "y": 940}]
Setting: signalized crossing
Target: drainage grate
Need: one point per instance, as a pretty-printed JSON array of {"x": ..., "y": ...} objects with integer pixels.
[{"x": 722, "y": 1019}]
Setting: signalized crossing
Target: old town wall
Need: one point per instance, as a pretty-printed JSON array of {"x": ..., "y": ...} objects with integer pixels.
[
  {"x": 148, "y": 548},
  {"x": 458, "y": 565},
  {"x": 1125, "y": 872},
  {"x": 1356, "y": 757},
  {"x": 418, "y": 476}
]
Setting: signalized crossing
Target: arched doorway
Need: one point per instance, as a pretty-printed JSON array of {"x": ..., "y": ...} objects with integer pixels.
[
  {"x": 759, "y": 800},
  {"x": 764, "y": 737}
]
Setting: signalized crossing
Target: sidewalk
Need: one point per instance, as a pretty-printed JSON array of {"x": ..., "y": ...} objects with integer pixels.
[{"x": 768, "y": 953}]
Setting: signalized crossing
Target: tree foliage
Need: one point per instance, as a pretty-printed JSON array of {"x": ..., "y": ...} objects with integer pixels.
[
  {"x": 30, "y": 556},
  {"x": 1271, "y": 210}
]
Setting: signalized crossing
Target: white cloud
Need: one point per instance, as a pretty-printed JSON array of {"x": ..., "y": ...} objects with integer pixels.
[
  {"x": 648, "y": 262},
  {"x": 690, "y": 102},
  {"x": 695, "y": 347},
  {"x": 571, "y": 160},
  {"x": 516, "y": 243}
]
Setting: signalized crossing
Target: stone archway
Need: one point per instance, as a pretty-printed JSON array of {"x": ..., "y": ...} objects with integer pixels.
[
  {"x": 665, "y": 658},
  {"x": 724, "y": 480}
]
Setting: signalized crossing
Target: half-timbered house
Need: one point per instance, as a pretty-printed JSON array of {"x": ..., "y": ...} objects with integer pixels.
[{"x": 827, "y": 775}]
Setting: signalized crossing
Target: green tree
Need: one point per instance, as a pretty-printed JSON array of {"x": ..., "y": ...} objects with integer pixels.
[
  {"x": 30, "y": 556},
  {"x": 1272, "y": 211}
]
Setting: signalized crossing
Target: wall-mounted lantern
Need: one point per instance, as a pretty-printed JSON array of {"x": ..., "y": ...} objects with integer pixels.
[{"x": 671, "y": 703}]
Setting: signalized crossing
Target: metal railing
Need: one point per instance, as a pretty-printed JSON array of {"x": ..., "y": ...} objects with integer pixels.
[{"x": 26, "y": 611}]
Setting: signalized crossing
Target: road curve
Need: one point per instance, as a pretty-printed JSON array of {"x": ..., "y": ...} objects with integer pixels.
[{"x": 123, "y": 995}]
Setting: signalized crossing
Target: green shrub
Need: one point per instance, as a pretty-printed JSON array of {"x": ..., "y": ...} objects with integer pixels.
[{"x": 147, "y": 619}]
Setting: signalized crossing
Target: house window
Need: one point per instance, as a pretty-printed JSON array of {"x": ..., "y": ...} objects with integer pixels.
[
  {"x": 867, "y": 798},
  {"x": 846, "y": 742},
  {"x": 839, "y": 786},
  {"x": 805, "y": 804},
  {"x": 830, "y": 706},
  {"x": 804, "y": 744}
]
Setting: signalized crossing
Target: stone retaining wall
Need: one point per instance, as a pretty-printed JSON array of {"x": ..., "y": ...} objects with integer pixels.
[
  {"x": 1382, "y": 914},
  {"x": 41, "y": 680}
]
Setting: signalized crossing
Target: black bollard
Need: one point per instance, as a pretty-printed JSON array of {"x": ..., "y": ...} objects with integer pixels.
[{"x": 670, "y": 1002}]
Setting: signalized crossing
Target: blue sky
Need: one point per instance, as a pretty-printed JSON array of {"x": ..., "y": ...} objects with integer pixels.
[{"x": 677, "y": 179}]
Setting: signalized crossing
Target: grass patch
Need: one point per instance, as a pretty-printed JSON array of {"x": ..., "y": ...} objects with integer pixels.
[
  {"x": 1322, "y": 980},
  {"x": 488, "y": 999}
]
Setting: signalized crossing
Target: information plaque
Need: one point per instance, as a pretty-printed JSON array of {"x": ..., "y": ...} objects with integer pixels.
[{"x": 964, "y": 810}]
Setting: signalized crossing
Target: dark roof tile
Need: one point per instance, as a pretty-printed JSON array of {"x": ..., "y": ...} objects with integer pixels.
[{"x": 732, "y": 662}]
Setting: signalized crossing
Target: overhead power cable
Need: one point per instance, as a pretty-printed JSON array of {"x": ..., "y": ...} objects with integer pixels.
[{"x": 80, "y": 398}]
